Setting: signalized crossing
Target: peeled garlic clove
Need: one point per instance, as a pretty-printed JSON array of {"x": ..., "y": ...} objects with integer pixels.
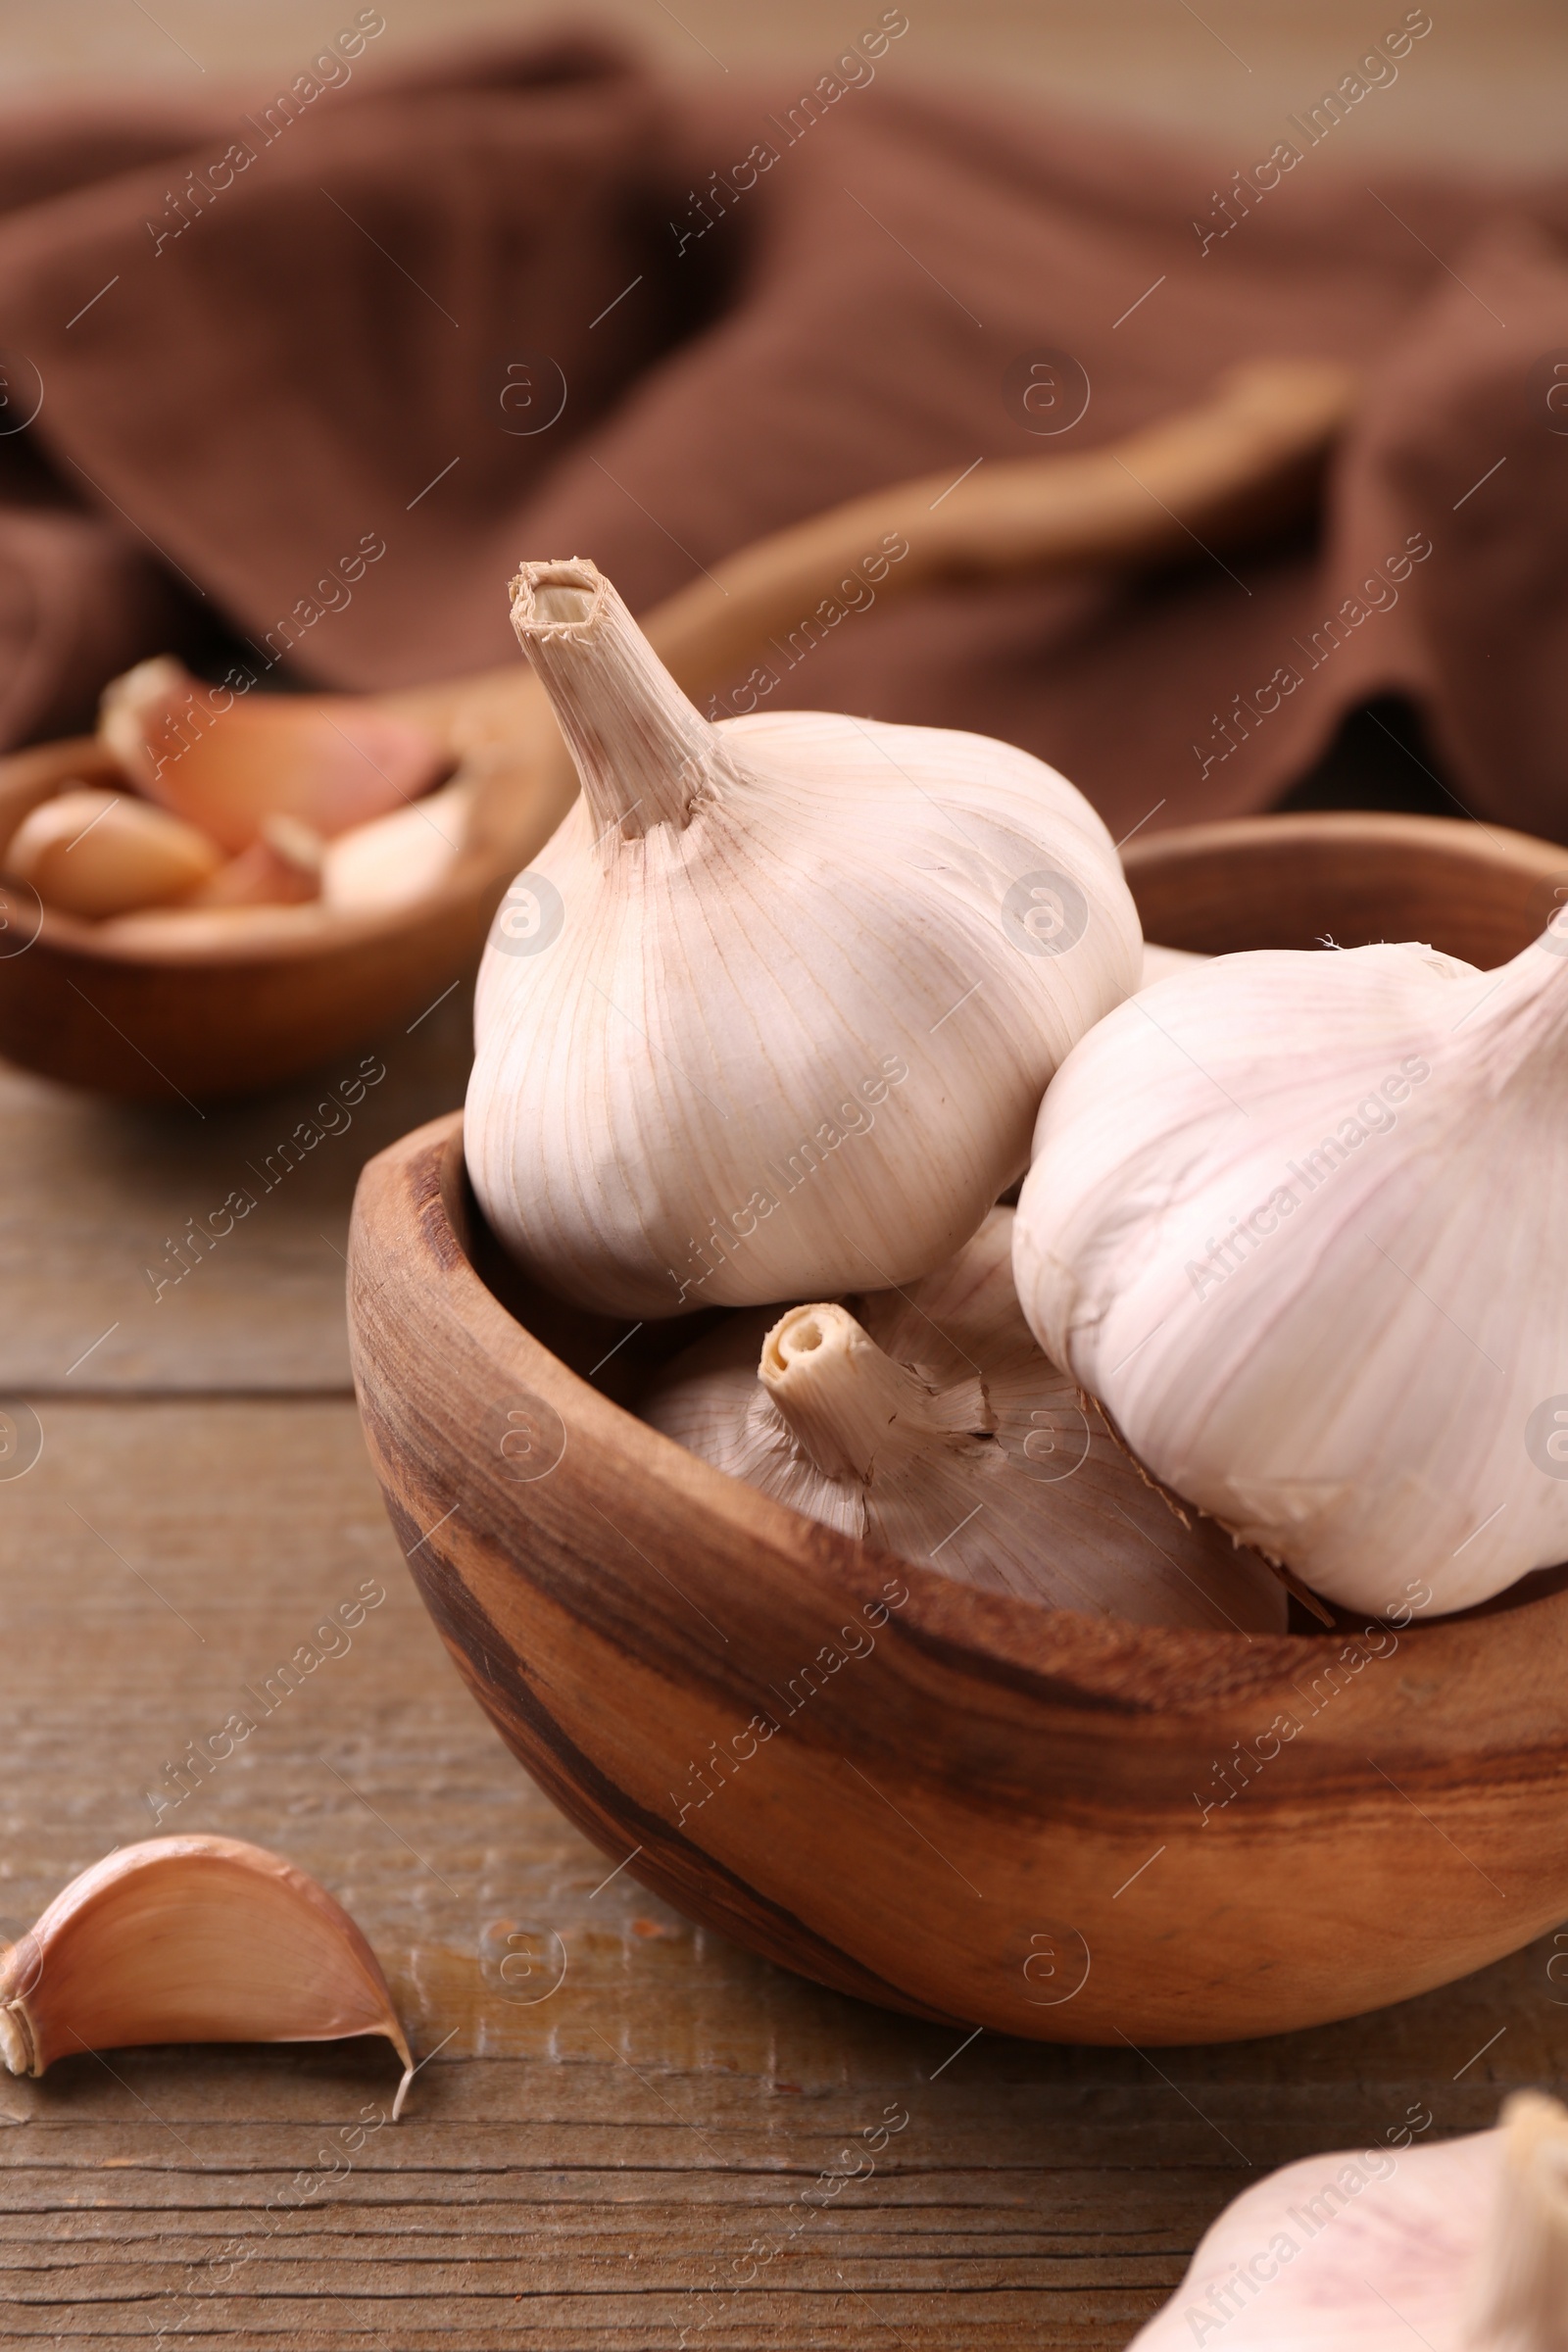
[
  {"x": 1293, "y": 1222},
  {"x": 1463, "y": 2246},
  {"x": 227, "y": 760},
  {"x": 773, "y": 1012},
  {"x": 94, "y": 852},
  {"x": 1163, "y": 964},
  {"x": 396, "y": 858},
  {"x": 191, "y": 1940},
  {"x": 931, "y": 1423},
  {"x": 282, "y": 867}
]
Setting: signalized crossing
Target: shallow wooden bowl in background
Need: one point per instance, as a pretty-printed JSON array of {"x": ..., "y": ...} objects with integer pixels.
[
  {"x": 992, "y": 1813},
  {"x": 198, "y": 1018}
]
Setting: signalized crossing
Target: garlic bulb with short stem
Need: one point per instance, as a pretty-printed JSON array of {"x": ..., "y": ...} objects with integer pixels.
[
  {"x": 773, "y": 1012},
  {"x": 1291, "y": 1219},
  {"x": 928, "y": 1420},
  {"x": 1461, "y": 2245}
]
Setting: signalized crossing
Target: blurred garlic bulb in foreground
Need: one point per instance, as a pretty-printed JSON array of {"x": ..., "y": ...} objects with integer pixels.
[
  {"x": 1461, "y": 2246},
  {"x": 1291, "y": 1219},
  {"x": 774, "y": 1012},
  {"x": 930, "y": 1422}
]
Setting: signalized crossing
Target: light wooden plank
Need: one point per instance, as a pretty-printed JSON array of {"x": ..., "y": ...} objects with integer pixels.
[{"x": 104, "y": 1203}]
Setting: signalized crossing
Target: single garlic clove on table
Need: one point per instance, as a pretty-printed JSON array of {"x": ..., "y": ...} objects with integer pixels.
[
  {"x": 93, "y": 852},
  {"x": 225, "y": 761},
  {"x": 931, "y": 1423},
  {"x": 1461, "y": 2246},
  {"x": 773, "y": 1013},
  {"x": 191, "y": 1940},
  {"x": 1292, "y": 1219}
]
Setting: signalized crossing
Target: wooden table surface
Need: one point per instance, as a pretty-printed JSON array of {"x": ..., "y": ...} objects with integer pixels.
[{"x": 621, "y": 2133}]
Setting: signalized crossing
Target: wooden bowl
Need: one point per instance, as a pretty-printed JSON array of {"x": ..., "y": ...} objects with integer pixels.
[
  {"x": 209, "y": 1015},
  {"x": 959, "y": 1804}
]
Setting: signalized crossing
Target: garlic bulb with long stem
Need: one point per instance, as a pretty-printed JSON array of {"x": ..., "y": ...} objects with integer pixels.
[
  {"x": 773, "y": 1012},
  {"x": 1291, "y": 1220},
  {"x": 1461, "y": 2246},
  {"x": 928, "y": 1420}
]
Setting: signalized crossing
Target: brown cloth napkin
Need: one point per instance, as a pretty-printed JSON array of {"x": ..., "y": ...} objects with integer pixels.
[{"x": 296, "y": 361}]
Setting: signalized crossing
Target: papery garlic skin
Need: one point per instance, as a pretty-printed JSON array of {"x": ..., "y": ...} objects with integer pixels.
[
  {"x": 95, "y": 853},
  {"x": 190, "y": 1938},
  {"x": 1292, "y": 1218},
  {"x": 764, "y": 1020},
  {"x": 1461, "y": 2245},
  {"x": 331, "y": 760},
  {"x": 930, "y": 1422},
  {"x": 1163, "y": 964},
  {"x": 397, "y": 859}
]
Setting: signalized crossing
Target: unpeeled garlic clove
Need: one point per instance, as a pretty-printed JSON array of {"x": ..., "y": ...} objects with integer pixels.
[
  {"x": 282, "y": 867},
  {"x": 191, "y": 1940},
  {"x": 929, "y": 1421},
  {"x": 396, "y": 858},
  {"x": 1461, "y": 2246},
  {"x": 773, "y": 1012},
  {"x": 327, "y": 759},
  {"x": 94, "y": 852},
  {"x": 1292, "y": 1219}
]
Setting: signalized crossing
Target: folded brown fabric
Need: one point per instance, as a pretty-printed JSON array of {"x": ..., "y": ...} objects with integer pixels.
[{"x": 319, "y": 364}]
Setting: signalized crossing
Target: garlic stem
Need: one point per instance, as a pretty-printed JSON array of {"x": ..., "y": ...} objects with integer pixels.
[
  {"x": 847, "y": 1403},
  {"x": 1522, "y": 2302},
  {"x": 645, "y": 755}
]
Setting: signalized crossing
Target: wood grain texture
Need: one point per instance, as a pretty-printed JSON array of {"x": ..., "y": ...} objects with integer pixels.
[
  {"x": 635, "y": 2156},
  {"x": 103, "y": 1201},
  {"x": 624, "y": 2159},
  {"x": 980, "y": 1809}
]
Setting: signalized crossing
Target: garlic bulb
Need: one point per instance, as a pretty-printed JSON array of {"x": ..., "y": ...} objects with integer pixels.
[
  {"x": 929, "y": 1421},
  {"x": 1291, "y": 1220},
  {"x": 1163, "y": 964},
  {"x": 190, "y": 1939},
  {"x": 225, "y": 761},
  {"x": 773, "y": 1012},
  {"x": 396, "y": 859},
  {"x": 95, "y": 852},
  {"x": 1461, "y": 2246}
]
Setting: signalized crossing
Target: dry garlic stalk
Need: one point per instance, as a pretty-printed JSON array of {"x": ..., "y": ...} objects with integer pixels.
[
  {"x": 190, "y": 1939},
  {"x": 775, "y": 1010},
  {"x": 1462, "y": 2247},
  {"x": 929, "y": 1421},
  {"x": 1291, "y": 1219}
]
